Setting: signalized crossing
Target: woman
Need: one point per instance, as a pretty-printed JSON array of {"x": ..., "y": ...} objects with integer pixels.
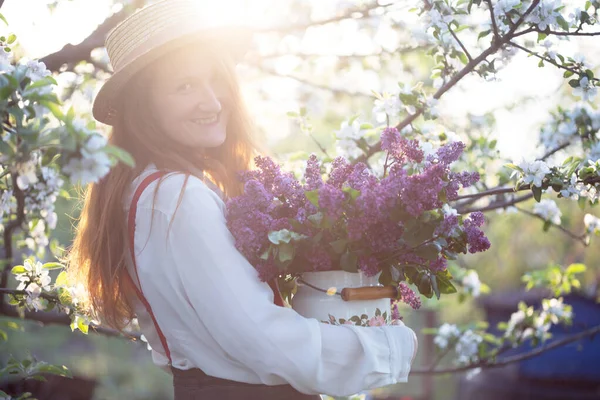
[{"x": 175, "y": 105}]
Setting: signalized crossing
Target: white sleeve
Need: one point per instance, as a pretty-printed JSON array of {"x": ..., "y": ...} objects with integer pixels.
[{"x": 238, "y": 311}]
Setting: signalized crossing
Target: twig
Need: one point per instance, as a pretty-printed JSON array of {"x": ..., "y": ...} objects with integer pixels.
[
  {"x": 580, "y": 238},
  {"x": 462, "y": 46},
  {"x": 512, "y": 359},
  {"x": 494, "y": 26},
  {"x": 400, "y": 50},
  {"x": 271, "y": 71},
  {"x": 345, "y": 15},
  {"x": 497, "y": 206},
  {"x": 556, "y": 33},
  {"x": 549, "y": 60}
]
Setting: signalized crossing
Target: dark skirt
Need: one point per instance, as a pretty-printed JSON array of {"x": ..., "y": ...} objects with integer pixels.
[{"x": 193, "y": 384}]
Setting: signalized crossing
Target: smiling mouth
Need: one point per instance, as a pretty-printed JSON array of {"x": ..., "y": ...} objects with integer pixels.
[{"x": 206, "y": 120}]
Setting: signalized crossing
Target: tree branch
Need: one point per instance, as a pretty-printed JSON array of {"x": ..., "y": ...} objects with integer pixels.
[
  {"x": 556, "y": 33},
  {"x": 493, "y": 18},
  {"x": 72, "y": 54},
  {"x": 497, "y": 206},
  {"x": 512, "y": 359},
  {"x": 462, "y": 46},
  {"x": 400, "y": 50}
]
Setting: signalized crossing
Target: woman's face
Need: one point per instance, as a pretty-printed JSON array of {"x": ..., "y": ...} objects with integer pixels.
[{"x": 191, "y": 98}]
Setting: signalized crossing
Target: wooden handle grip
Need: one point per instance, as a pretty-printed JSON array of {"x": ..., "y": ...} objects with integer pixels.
[{"x": 369, "y": 293}]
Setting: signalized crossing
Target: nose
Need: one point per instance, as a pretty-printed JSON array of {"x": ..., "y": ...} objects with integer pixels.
[{"x": 208, "y": 101}]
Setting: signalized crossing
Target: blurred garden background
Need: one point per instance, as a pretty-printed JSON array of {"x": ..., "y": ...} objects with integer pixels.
[{"x": 313, "y": 65}]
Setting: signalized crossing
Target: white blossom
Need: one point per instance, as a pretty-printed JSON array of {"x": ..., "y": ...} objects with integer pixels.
[
  {"x": 38, "y": 235},
  {"x": 36, "y": 70},
  {"x": 5, "y": 61},
  {"x": 350, "y": 131},
  {"x": 348, "y": 148},
  {"x": 592, "y": 224},
  {"x": 91, "y": 168},
  {"x": 504, "y": 6},
  {"x": 471, "y": 283},
  {"x": 516, "y": 318},
  {"x": 548, "y": 44},
  {"x": 585, "y": 90},
  {"x": 446, "y": 332},
  {"x": 5, "y": 200},
  {"x": 534, "y": 172},
  {"x": 544, "y": 14},
  {"x": 26, "y": 173},
  {"x": 575, "y": 17},
  {"x": 388, "y": 104},
  {"x": 594, "y": 153},
  {"x": 572, "y": 190},
  {"x": 548, "y": 210},
  {"x": 556, "y": 310},
  {"x": 467, "y": 347},
  {"x": 436, "y": 19}
]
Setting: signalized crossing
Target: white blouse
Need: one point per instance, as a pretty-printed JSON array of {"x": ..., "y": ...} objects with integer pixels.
[{"x": 218, "y": 316}]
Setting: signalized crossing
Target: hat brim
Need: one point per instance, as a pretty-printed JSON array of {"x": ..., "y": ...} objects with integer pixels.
[{"x": 104, "y": 109}]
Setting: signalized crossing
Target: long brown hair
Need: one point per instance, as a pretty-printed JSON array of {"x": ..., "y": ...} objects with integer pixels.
[{"x": 97, "y": 256}]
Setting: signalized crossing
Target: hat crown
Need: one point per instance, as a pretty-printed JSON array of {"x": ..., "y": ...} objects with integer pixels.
[{"x": 165, "y": 18}]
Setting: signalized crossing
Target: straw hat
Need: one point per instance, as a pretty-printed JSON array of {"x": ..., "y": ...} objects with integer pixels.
[{"x": 151, "y": 32}]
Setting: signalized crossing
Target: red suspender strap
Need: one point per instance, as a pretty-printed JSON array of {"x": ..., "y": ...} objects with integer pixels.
[{"x": 131, "y": 228}]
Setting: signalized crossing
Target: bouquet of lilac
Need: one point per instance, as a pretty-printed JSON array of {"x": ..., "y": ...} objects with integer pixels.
[{"x": 399, "y": 225}]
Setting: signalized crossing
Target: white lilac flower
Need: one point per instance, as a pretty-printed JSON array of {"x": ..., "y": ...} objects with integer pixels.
[
  {"x": 388, "y": 104},
  {"x": 556, "y": 310},
  {"x": 448, "y": 210},
  {"x": 350, "y": 131},
  {"x": 5, "y": 200},
  {"x": 534, "y": 172},
  {"x": 88, "y": 169},
  {"x": 467, "y": 347},
  {"x": 471, "y": 283},
  {"x": 571, "y": 191},
  {"x": 446, "y": 332},
  {"x": 585, "y": 90},
  {"x": 516, "y": 318},
  {"x": 592, "y": 224},
  {"x": 544, "y": 14},
  {"x": 548, "y": 210}
]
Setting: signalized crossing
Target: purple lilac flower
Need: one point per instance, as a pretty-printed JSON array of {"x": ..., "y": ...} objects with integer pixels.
[
  {"x": 331, "y": 199},
  {"x": 399, "y": 147},
  {"x": 448, "y": 153},
  {"x": 476, "y": 239},
  {"x": 395, "y": 311},
  {"x": 408, "y": 296},
  {"x": 319, "y": 259},
  {"x": 447, "y": 226},
  {"x": 368, "y": 265},
  {"x": 313, "y": 173},
  {"x": 340, "y": 169},
  {"x": 438, "y": 265}
]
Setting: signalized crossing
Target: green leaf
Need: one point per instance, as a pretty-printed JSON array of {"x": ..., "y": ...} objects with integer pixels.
[
  {"x": 286, "y": 252},
  {"x": 576, "y": 268},
  {"x": 444, "y": 284},
  {"x": 120, "y": 154},
  {"x": 339, "y": 246},
  {"x": 568, "y": 74},
  {"x": 574, "y": 83},
  {"x": 3, "y": 19},
  {"x": 434, "y": 285},
  {"x": 463, "y": 57},
  {"x": 265, "y": 255},
  {"x": 313, "y": 197},
  {"x": 429, "y": 251},
  {"x": 19, "y": 269},
  {"x": 563, "y": 24},
  {"x": 61, "y": 279},
  {"x": 541, "y": 36},
  {"x": 11, "y": 38},
  {"x": 349, "y": 262},
  {"x": 537, "y": 193},
  {"x": 52, "y": 265}
]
